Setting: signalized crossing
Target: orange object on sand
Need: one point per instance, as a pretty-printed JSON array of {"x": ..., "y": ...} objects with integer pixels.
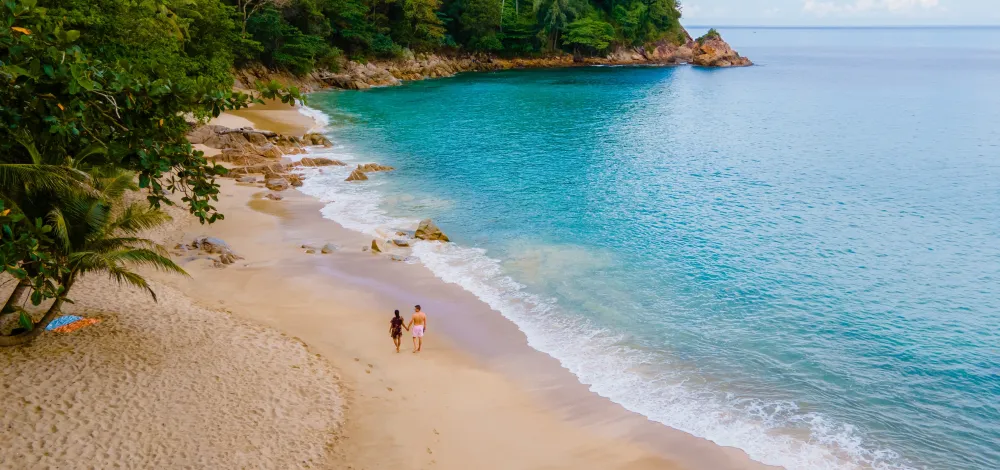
[{"x": 76, "y": 325}]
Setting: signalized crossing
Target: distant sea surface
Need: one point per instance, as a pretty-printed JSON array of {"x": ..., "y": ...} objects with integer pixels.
[{"x": 800, "y": 259}]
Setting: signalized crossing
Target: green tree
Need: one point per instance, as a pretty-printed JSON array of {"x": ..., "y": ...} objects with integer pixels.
[
  {"x": 97, "y": 233},
  {"x": 63, "y": 113},
  {"x": 284, "y": 46},
  {"x": 480, "y": 23},
  {"x": 425, "y": 29},
  {"x": 555, "y": 15},
  {"x": 590, "y": 33}
]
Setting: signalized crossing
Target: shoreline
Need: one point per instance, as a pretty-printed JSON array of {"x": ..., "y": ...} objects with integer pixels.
[
  {"x": 475, "y": 334},
  {"x": 711, "y": 53},
  {"x": 282, "y": 360}
]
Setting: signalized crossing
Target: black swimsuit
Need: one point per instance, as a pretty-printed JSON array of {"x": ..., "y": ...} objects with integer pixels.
[{"x": 397, "y": 327}]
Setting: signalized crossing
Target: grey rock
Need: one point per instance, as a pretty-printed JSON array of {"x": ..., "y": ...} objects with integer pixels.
[{"x": 277, "y": 184}]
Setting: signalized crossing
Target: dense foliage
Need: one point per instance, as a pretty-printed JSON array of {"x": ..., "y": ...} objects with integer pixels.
[
  {"x": 77, "y": 131},
  {"x": 205, "y": 38}
]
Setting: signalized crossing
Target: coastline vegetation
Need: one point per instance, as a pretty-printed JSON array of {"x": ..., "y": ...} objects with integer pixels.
[
  {"x": 207, "y": 38},
  {"x": 711, "y": 34},
  {"x": 78, "y": 130}
]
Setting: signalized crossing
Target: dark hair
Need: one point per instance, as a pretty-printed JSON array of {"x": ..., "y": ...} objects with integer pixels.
[
  {"x": 397, "y": 313},
  {"x": 416, "y": 307}
]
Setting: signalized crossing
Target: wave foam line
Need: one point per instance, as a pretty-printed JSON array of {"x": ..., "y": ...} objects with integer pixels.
[{"x": 600, "y": 358}]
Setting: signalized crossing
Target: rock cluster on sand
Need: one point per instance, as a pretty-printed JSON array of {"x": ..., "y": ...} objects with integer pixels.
[
  {"x": 277, "y": 184},
  {"x": 212, "y": 246},
  {"x": 325, "y": 249},
  {"x": 262, "y": 152},
  {"x": 427, "y": 230},
  {"x": 314, "y": 138},
  {"x": 320, "y": 161}
]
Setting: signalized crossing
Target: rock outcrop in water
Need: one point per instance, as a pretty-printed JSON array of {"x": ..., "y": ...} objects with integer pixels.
[
  {"x": 427, "y": 230},
  {"x": 714, "y": 52},
  {"x": 373, "y": 167},
  {"x": 357, "y": 175}
]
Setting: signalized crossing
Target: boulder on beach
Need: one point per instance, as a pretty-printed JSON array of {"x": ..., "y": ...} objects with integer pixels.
[
  {"x": 328, "y": 248},
  {"x": 314, "y": 138},
  {"x": 210, "y": 245},
  {"x": 269, "y": 169},
  {"x": 201, "y": 134},
  {"x": 427, "y": 230},
  {"x": 277, "y": 184},
  {"x": 294, "y": 179},
  {"x": 400, "y": 242},
  {"x": 356, "y": 175},
  {"x": 375, "y": 247},
  {"x": 319, "y": 161},
  {"x": 274, "y": 196},
  {"x": 246, "y": 179},
  {"x": 269, "y": 150}
]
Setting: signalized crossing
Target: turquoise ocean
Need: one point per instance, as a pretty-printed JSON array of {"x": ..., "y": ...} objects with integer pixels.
[{"x": 800, "y": 259}]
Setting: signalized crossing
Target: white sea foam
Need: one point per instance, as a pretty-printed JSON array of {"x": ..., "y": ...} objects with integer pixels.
[
  {"x": 322, "y": 120},
  {"x": 640, "y": 380}
]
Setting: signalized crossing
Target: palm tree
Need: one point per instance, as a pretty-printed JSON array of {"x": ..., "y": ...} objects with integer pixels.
[
  {"x": 100, "y": 233},
  {"x": 29, "y": 189}
]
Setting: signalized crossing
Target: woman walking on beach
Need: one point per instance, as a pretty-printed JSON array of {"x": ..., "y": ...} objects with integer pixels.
[{"x": 396, "y": 329}]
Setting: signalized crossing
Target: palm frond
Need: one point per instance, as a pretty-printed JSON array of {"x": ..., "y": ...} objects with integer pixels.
[
  {"x": 92, "y": 149},
  {"x": 125, "y": 277},
  {"x": 18, "y": 176},
  {"x": 60, "y": 230},
  {"x": 138, "y": 217},
  {"x": 87, "y": 261},
  {"x": 120, "y": 243},
  {"x": 115, "y": 264},
  {"x": 114, "y": 188}
]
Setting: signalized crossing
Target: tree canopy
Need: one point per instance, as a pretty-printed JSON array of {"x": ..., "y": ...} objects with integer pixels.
[
  {"x": 68, "y": 120},
  {"x": 172, "y": 39}
]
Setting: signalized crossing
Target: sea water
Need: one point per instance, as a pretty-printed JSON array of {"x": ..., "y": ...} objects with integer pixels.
[{"x": 800, "y": 259}]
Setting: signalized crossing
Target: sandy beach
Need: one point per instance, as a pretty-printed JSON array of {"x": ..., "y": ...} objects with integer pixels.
[{"x": 283, "y": 360}]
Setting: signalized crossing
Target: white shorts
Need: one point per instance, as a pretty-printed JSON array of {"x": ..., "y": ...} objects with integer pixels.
[{"x": 418, "y": 331}]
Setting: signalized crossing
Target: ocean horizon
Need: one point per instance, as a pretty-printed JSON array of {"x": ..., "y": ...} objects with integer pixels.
[{"x": 798, "y": 259}]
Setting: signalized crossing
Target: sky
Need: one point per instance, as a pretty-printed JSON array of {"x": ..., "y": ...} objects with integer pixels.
[{"x": 840, "y": 12}]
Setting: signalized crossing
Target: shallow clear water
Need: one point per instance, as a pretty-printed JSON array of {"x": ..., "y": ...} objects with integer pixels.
[{"x": 800, "y": 259}]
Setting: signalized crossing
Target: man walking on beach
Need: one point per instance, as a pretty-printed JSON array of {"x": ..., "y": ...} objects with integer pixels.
[{"x": 418, "y": 326}]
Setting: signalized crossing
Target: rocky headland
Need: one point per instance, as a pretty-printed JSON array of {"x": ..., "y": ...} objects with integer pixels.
[{"x": 707, "y": 51}]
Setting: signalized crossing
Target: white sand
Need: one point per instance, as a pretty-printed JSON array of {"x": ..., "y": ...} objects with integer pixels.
[
  {"x": 179, "y": 385},
  {"x": 169, "y": 384}
]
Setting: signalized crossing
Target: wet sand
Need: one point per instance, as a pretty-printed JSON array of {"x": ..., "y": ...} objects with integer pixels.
[
  {"x": 477, "y": 396},
  {"x": 283, "y": 360}
]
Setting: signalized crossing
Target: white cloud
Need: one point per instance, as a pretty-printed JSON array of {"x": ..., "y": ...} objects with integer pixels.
[{"x": 824, "y": 8}]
